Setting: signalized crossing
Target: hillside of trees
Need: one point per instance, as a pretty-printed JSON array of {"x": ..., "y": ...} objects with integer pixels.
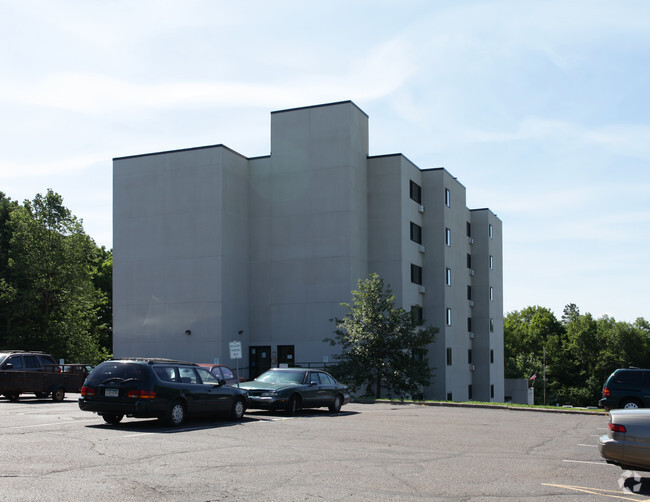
[
  {"x": 571, "y": 358},
  {"x": 55, "y": 282}
]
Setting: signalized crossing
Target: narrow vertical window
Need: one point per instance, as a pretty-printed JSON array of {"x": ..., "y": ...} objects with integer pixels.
[
  {"x": 448, "y": 236},
  {"x": 469, "y": 292},
  {"x": 447, "y": 197},
  {"x": 469, "y": 324},
  {"x": 448, "y": 277},
  {"x": 449, "y": 356},
  {"x": 416, "y": 192},
  {"x": 469, "y": 260},
  {"x": 492, "y": 391},
  {"x": 491, "y": 325},
  {"x": 469, "y": 392},
  {"x": 491, "y": 294},
  {"x": 416, "y": 233},
  {"x": 490, "y": 231},
  {"x": 416, "y": 274},
  {"x": 491, "y": 356},
  {"x": 448, "y": 317},
  {"x": 491, "y": 263},
  {"x": 417, "y": 314},
  {"x": 469, "y": 356},
  {"x": 468, "y": 229}
]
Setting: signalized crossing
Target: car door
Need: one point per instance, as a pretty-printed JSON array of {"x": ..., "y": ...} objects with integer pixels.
[
  {"x": 329, "y": 389},
  {"x": 193, "y": 389},
  {"x": 217, "y": 398},
  {"x": 312, "y": 397}
]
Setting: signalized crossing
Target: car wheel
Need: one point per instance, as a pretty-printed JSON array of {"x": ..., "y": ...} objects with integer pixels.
[
  {"x": 176, "y": 414},
  {"x": 238, "y": 409},
  {"x": 13, "y": 396},
  {"x": 293, "y": 405},
  {"x": 335, "y": 407},
  {"x": 58, "y": 395},
  {"x": 112, "y": 419},
  {"x": 631, "y": 404}
]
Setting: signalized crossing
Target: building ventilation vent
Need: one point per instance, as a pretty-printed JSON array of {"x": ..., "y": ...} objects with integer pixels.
[
  {"x": 471, "y": 241},
  {"x": 471, "y": 335},
  {"x": 422, "y": 289},
  {"x": 421, "y": 249},
  {"x": 473, "y": 367},
  {"x": 421, "y": 209},
  {"x": 471, "y": 271},
  {"x": 471, "y": 303}
]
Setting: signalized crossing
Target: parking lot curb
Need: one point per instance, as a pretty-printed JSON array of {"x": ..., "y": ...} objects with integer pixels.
[{"x": 502, "y": 406}]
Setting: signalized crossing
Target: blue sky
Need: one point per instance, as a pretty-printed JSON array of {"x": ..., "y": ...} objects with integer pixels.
[{"x": 541, "y": 109}]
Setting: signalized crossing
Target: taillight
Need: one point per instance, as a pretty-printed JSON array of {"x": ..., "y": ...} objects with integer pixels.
[
  {"x": 141, "y": 394},
  {"x": 616, "y": 427},
  {"x": 606, "y": 392},
  {"x": 87, "y": 391}
]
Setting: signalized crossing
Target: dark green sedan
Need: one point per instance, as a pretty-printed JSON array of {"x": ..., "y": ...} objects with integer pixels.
[{"x": 291, "y": 389}]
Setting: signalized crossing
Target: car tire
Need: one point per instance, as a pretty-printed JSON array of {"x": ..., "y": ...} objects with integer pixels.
[
  {"x": 12, "y": 396},
  {"x": 335, "y": 407},
  {"x": 293, "y": 405},
  {"x": 176, "y": 414},
  {"x": 631, "y": 404},
  {"x": 238, "y": 409},
  {"x": 58, "y": 394},
  {"x": 112, "y": 419}
]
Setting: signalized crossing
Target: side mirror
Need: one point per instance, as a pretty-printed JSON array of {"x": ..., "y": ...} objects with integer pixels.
[
  {"x": 8, "y": 366},
  {"x": 222, "y": 382}
]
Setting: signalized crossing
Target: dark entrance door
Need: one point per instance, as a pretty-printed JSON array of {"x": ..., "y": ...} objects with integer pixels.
[
  {"x": 286, "y": 355},
  {"x": 259, "y": 358}
]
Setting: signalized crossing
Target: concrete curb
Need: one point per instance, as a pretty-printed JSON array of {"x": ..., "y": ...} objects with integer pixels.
[{"x": 501, "y": 406}]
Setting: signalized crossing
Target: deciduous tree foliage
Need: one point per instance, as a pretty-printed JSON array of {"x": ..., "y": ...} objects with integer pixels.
[
  {"x": 49, "y": 298},
  {"x": 383, "y": 346},
  {"x": 575, "y": 355}
]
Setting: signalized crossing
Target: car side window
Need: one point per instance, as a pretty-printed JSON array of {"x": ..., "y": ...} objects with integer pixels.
[
  {"x": 628, "y": 378},
  {"x": 17, "y": 362},
  {"x": 227, "y": 374},
  {"x": 313, "y": 378},
  {"x": 207, "y": 377},
  {"x": 31, "y": 362},
  {"x": 166, "y": 373},
  {"x": 188, "y": 375},
  {"x": 328, "y": 380}
]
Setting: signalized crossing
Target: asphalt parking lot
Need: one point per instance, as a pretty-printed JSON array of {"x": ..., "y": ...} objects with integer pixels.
[{"x": 378, "y": 452}]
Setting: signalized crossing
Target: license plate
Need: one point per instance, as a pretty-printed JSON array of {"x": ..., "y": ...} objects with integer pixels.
[{"x": 112, "y": 392}]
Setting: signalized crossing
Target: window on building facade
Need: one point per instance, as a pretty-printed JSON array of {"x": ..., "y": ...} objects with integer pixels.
[
  {"x": 448, "y": 317},
  {"x": 449, "y": 356},
  {"x": 490, "y": 231},
  {"x": 469, "y": 356},
  {"x": 448, "y": 236},
  {"x": 468, "y": 229},
  {"x": 491, "y": 325},
  {"x": 469, "y": 324},
  {"x": 469, "y": 292},
  {"x": 417, "y": 313},
  {"x": 491, "y": 294},
  {"x": 447, "y": 197},
  {"x": 491, "y": 356},
  {"x": 492, "y": 391},
  {"x": 491, "y": 263},
  {"x": 416, "y": 192},
  {"x": 416, "y": 233},
  {"x": 416, "y": 274},
  {"x": 448, "y": 277},
  {"x": 469, "y": 260},
  {"x": 449, "y": 396},
  {"x": 469, "y": 392}
]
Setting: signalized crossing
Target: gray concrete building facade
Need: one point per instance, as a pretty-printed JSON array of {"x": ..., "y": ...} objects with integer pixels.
[{"x": 209, "y": 243}]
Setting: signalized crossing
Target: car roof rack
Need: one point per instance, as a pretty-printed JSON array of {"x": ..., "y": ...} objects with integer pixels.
[{"x": 154, "y": 360}]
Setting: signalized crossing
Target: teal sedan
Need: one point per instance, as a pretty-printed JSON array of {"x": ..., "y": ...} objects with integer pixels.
[{"x": 292, "y": 389}]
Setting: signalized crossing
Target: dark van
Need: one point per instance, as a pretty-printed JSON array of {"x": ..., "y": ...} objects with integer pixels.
[{"x": 626, "y": 388}]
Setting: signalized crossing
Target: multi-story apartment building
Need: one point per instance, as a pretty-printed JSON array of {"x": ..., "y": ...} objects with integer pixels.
[{"x": 211, "y": 247}]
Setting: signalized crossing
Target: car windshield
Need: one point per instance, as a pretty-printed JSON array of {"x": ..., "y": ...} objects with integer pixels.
[
  {"x": 117, "y": 372},
  {"x": 282, "y": 377},
  {"x": 2, "y": 358}
]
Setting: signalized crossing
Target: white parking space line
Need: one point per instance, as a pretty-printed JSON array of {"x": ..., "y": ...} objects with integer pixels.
[
  {"x": 587, "y": 462},
  {"x": 589, "y": 445},
  {"x": 48, "y": 425}
]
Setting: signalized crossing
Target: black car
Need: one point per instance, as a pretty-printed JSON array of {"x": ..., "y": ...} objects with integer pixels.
[
  {"x": 21, "y": 360},
  {"x": 158, "y": 388},
  {"x": 626, "y": 388},
  {"x": 291, "y": 389}
]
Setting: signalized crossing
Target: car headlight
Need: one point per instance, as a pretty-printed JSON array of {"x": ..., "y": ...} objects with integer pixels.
[{"x": 269, "y": 394}]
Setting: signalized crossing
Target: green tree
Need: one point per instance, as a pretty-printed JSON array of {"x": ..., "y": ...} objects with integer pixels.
[
  {"x": 383, "y": 346},
  {"x": 49, "y": 290}
]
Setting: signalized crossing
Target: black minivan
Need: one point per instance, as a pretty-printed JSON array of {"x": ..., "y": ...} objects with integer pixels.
[
  {"x": 626, "y": 388},
  {"x": 158, "y": 388}
]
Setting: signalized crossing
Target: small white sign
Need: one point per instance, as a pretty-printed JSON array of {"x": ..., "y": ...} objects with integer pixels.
[{"x": 235, "y": 350}]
